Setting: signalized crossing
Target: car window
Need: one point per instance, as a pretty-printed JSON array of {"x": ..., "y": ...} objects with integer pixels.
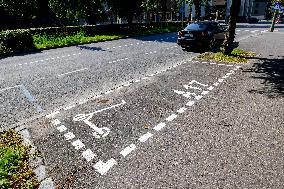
[{"x": 197, "y": 27}]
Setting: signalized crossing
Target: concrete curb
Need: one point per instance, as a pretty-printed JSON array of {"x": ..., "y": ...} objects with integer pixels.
[{"x": 37, "y": 163}]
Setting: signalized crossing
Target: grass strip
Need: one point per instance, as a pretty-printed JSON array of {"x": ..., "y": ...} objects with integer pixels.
[
  {"x": 237, "y": 55},
  {"x": 44, "y": 41},
  {"x": 14, "y": 163}
]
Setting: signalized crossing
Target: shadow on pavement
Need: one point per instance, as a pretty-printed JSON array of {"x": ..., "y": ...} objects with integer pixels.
[
  {"x": 271, "y": 71},
  {"x": 85, "y": 47}
]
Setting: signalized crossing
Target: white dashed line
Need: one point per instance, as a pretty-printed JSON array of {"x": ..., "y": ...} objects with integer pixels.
[
  {"x": 216, "y": 84},
  {"x": 171, "y": 117},
  {"x": 190, "y": 103},
  {"x": 69, "y": 136},
  {"x": 56, "y": 122},
  {"x": 78, "y": 144},
  {"x": 103, "y": 168},
  {"x": 159, "y": 126},
  {"x": 69, "y": 107},
  {"x": 108, "y": 92},
  {"x": 181, "y": 110},
  {"x": 67, "y": 73},
  {"x": 210, "y": 88},
  {"x": 88, "y": 155},
  {"x": 204, "y": 92},
  {"x": 126, "y": 151},
  {"x": 220, "y": 80},
  {"x": 61, "y": 128},
  {"x": 145, "y": 137},
  {"x": 52, "y": 115}
]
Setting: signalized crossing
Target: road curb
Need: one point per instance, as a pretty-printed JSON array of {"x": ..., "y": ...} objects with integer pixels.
[{"x": 37, "y": 163}]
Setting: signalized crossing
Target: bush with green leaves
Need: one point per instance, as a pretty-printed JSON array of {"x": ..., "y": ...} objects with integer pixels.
[
  {"x": 14, "y": 163},
  {"x": 16, "y": 41}
]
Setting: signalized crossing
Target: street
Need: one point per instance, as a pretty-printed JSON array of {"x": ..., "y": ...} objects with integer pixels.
[
  {"x": 141, "y": 113},
  {"x": 37, "y": 84}
]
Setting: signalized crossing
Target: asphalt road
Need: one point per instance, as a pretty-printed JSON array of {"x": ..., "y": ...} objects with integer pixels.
[
  {"x": 139, "y": 113},
  {"x": 37, "y": 84}
]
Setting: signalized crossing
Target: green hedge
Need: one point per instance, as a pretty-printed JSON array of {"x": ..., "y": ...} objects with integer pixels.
[{"x": 20, "y": 40}]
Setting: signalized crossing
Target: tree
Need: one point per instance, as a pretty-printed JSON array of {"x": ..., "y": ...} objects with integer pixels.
[
  {"x": 21, "y": 11},
  {"x": 234, "y": 10},
  {"x": 126, "y": 8}
]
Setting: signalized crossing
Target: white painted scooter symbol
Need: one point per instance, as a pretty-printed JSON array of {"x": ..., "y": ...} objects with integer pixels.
[{"x": 99, "y": 132}]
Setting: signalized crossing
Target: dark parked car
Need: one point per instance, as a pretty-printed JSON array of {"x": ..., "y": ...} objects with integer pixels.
[{"x": 201, "y": 34}]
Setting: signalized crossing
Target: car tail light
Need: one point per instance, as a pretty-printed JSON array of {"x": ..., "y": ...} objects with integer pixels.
[{"x": 181, "y": 34}]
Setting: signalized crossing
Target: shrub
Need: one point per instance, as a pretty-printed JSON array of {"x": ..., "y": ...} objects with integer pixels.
[
  {"x": 14, "y": 163},
  {"x": 16, "y": 41}
]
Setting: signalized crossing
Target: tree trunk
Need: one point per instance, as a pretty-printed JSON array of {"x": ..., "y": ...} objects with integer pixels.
[
  {"x": 197, "y": 9},
  {"x": 234, "y": 10}
]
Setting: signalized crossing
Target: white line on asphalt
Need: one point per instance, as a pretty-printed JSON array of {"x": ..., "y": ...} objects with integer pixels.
[
  {"x": 224, "y": 77},
  {"x": 159, "y": 126},
  {"x": 136, "y": 81},
  {"x": 78, "y": 144},
  {"x": 67, "y": 73},
  {"x": 69, "y": 107},
  {"x": 198, "y": 97},
  {"x": 181, "y": 110},
  {"x": 190, "y": 103},
  {"x": 210, "y": 88},
  {"x": 128, "y": 150},
  {"x": 88, "y": 155},
  {"x": 103, "y": 168},
  {"x": 216, "y": 84},
  {"x": 55, "y": 122},
  {"x": 69, "y": 136},
  {"x": 212, "y": 63},
  {"x": 108, "y": 92},
  {"x": 204, "y": 92},
  {"x": 16, "y": 86},
  {"x": 61, "y": 128},
  {"x": 145, "y": 137},
  {"x": 204, "y": 62},
  {"x": 52, "y": 115},
  {"x": 230, "y": 65},
  {"x": 220, "y": 80},
  {"x": 221, "y": 64},
  {"x": 171, "y": 117}
]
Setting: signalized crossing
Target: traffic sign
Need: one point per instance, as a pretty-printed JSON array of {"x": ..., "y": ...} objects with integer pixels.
[{"x": 277, "y": 6}]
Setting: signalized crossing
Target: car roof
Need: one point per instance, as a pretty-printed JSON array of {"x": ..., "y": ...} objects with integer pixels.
[{"x": 204, "y": 22}]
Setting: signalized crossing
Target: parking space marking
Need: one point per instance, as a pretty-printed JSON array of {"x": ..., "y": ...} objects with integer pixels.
[
  {"x": 171, "y": 117},
  {"x": 145, "y": 137},
  {"x": 126, "y": 151},
  {"x": 61, "y": 128},
  {"x": 78, "y": 144},
  {"x": 159, "y": 126},
  {"x": 69, "y": 136},
  {"x": 88, "y": 155},
  {"x": 75, "y": 71},
  {"x": 182, "y": 110},
  {"x": 103, "y": 168}
]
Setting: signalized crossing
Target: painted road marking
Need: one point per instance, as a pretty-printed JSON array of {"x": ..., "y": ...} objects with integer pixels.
[
  {"x": 159, "y": 126},
  {"x": 67, "y": 73},
  {"x": 103, "y": 168},
  {"x": 61, "y": 128},
  {"x": 55, "y": 122},
  {"x": 182, "y": 110},
  {"x": 190, "y": 103},
  {"x": 78, "y": 144},
  {"x": 204, "y": 92},
  {"x": 210, "y": 88},
  {"x": 171, "y": 117},
  {"x": 98, "y": 132},
  {"x": 31, "y": 98},
  {"x": 88, "y": 155},
  {"x": 145, "y": 137},
  {"x": 69, "y": 136},
  {"x": 128, "y": 150},
  {"x": 52, "y": 115}
]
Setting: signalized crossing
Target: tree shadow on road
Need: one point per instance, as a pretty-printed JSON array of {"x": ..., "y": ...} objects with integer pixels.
[
  {"x": 85, "y": 47},
  {"x": 271, "y": 71}
]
